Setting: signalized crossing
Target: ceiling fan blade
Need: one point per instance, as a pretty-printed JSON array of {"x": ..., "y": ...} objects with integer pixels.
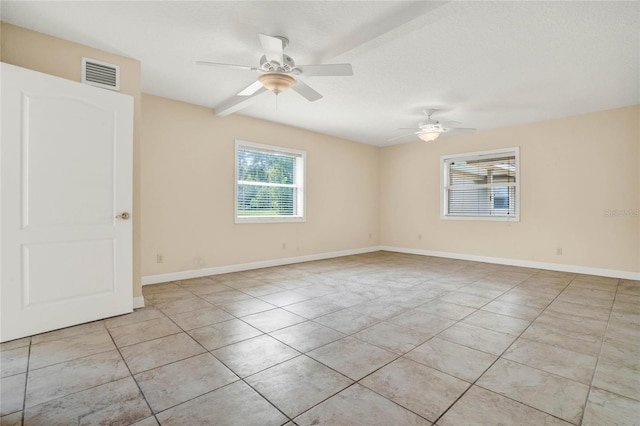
[
  {"x": 251, "y": 89},
  {"x": 216, "y": 64},
  {"x": 273, "y": 48},
  {"x": 460, "y": 130},
  {"x": 401, "y": 136},
  {"x": 237, "y": 103},
  {"x": 306, "y": 91},
  {"x": 327, "y": 70}
]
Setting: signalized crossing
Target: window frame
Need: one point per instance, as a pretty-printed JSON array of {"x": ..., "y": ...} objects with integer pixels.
[
  {"x": 445, "y": 160},
  {"x": 300, "y": 185}
]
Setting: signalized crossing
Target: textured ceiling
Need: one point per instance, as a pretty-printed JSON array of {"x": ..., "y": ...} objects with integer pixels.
[{"x": 486, "y": 64}]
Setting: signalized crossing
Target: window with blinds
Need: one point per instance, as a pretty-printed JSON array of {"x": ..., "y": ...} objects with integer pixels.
[
  {"x": 269, "y": 183},
  {"x": 481, "y": 185}
]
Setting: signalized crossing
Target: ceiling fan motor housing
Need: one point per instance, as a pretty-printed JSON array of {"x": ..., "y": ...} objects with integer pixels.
[
  {"x": 432, "y": 126},
  {"x": 288, "y": 67}
]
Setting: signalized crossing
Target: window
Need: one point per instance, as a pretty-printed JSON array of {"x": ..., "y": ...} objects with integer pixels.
[
  {"x": 481, "y": 185},
  {"x": 269, "y": 183}
]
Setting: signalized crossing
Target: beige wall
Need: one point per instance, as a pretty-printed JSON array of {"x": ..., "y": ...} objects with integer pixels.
[
  {"x": 573, "y": 171},
  {"x": 187, "y": 191},
  {"x": 54, "y": 56}
]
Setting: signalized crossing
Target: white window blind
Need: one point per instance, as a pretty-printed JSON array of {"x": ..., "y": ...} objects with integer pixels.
[
  {"x": 269, "y": 183},
  {"x": 481, "y": 185}
]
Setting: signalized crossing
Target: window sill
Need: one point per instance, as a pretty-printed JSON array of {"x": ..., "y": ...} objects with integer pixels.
[
  {"x": 270, "y": 219},
  {"x": 482, "y": 218}
]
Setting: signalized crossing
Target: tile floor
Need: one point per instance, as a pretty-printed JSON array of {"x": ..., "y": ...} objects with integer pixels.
[{"x": 376, "y": 339}]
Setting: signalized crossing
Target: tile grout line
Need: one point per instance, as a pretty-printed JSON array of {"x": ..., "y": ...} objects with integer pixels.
[
  {"x": 379, "y": 368},
  {"x": 597, "y": 357},
  {"x": 24, "y": 405},
  {"x": 26, "y": 383},
  {"x": 430, "y": 338},
  {"x": 182, "y": 359},
  {"x": 242, "y": 379},
  {"x": 134, "y": 379},
  {"x": 604, "y": 336},
  {"x": 91, "y": 387},
  {"x": 474, "y": 383},
  {"x": 400, "y": 356}
]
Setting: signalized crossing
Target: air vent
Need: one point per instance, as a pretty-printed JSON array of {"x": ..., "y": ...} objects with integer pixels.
[{"x": 100, "y": 74}]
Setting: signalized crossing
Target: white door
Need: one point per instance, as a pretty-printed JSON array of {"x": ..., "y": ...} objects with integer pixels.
[{"x": 65, "y": 176}]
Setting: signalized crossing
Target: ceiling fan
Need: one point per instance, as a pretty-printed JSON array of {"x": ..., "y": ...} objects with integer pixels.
[
  {"x": 430, "y": 129},
  {"x": 278, "y": 72}
]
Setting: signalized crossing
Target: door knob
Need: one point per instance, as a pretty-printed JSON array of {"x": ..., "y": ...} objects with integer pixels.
[{"x": 123, "y": 215}]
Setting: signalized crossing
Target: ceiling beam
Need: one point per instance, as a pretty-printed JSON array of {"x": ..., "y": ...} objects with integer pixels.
[
  {"x": 373, "y": 30},
  {"x": 237, "y": 103}
]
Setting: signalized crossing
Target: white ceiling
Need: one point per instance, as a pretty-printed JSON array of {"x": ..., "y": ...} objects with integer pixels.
[{"x": 488, "y": 64}]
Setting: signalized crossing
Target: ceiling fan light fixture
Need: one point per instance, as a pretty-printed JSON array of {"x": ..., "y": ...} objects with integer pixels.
[
  {"x": 428, "y": 136},
  {"x": 276, "y": 82}
]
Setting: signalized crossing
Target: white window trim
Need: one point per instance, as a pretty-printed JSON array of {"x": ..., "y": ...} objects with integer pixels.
[
  {"x": 300, "y": 177},
  {"x": 444, "y": 179}
]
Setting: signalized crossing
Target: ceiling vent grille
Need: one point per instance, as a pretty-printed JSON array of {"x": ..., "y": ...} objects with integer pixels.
[{"x": 100, "y": 74}]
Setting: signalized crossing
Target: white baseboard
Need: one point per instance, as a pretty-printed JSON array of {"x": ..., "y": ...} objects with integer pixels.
[
  {"x": 138, "y": 302},
  {"x": 524, "y": 263},
  {"x": 185, "y": 275}
]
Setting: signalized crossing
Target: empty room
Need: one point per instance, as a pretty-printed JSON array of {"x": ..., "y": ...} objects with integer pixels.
[{"x": 320, "y": 213}]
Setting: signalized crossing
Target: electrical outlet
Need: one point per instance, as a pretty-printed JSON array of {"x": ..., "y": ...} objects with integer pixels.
[
  {"x": 284, "y": 246},
  {"x": 559, "y": 251},
  {"x": 159, "y": 258},
  {"x": 419, "y": 236},
  {"x": 369, "y": 236}
]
